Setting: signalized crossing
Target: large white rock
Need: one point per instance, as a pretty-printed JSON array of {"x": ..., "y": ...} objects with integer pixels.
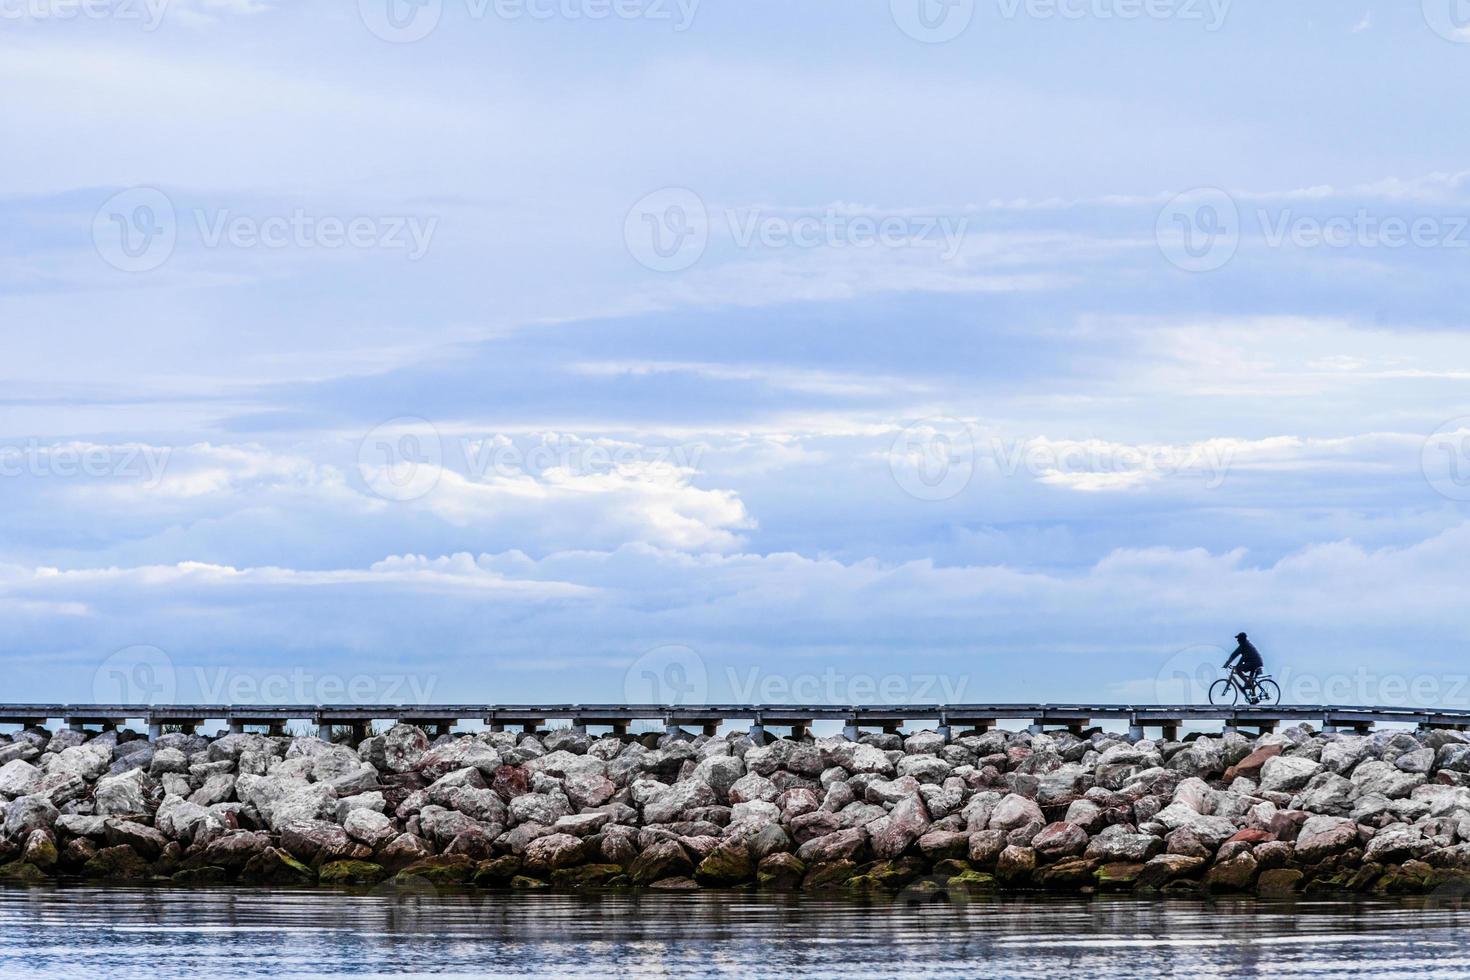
[
  {"x": 123, "y": 793},
  {"x": 18, "y": 777},
  {"x": 1287, "y": 773},
  {"x": 369, "y": 827}
]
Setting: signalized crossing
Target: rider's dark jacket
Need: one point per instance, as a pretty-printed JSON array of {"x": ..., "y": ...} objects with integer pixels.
[{"x": 1250, "y": 657}]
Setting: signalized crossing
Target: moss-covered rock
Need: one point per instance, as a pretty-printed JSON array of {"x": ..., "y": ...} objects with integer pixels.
[
  {"x": 116, "y": 863},
  {"x": 209, "y": 874},
  {"x": 40, "y": 849},
  {"x": 21, "y": 871},
  {"x": 780, "y": 872},
  {"x": 274, "y": 866},
  {"x": 833, "y": 874},
  {"x": 351, "y": 873},
  {"x": 1409, "y": 878},
  {"x": 972, "y": 882},
  {"x": 1118, "y": 876},
  {"x": 442, "y": 869},
  {"x": 586, "y": 876},
  {"x": 1279, "y": 883},
  {"x": 1073, "y": 873},
  {"x": 497, "y": 872},
  {"x": 676, "y": 884},
  {"x": 894, "y": 874},
  {"x": 728, "y": 864},
  {"x": 527, "y": 883}
]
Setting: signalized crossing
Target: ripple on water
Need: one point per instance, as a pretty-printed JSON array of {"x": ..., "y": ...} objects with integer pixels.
[{"x": 123, "y": 933}]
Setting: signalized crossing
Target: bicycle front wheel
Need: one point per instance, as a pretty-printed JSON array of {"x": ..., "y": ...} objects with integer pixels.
[
  {"x": 1268, "y": 693},
  {"x": 1224, "y": 692}
]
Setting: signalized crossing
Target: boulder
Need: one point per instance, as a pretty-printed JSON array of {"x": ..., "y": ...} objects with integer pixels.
[
  {"x": 18, "y": 778},
  {"x": 125, "y": 793},
  {"x": 546, "y": 854},
  {"x": 1287, "y": 773},
  {"x": 892, "y": 835},
  {"x": 1126, "y": 847},
  {"x": 1323, "y": 836},
  {"x": 1250, "y": 766},
  {"x": 29, "y": 813},
  {"x": 664, "y": 860},
  {"x": 1059, "y": 840},
  {"x": 1015, "y": 811}
]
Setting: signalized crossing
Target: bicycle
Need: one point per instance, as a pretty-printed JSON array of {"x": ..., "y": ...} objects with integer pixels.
[{"x": 1231, "y": 688}]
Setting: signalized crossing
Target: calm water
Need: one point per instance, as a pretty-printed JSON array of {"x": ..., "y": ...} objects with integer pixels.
[{"x": 125, "y": 933}]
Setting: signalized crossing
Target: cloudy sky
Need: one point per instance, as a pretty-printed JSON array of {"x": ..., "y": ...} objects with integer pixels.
[{"x": 841, "y": 350}]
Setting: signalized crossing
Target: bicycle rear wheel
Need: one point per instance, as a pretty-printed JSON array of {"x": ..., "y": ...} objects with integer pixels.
[
  {"x": 1224, "y": 692},
  {"x": 1267, "y": 692}
]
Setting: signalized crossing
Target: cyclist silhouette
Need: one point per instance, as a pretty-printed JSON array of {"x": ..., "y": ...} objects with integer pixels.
[{"x": 1250, "y": 664}]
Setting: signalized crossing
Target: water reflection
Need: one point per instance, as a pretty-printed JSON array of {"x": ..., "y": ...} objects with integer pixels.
[{"x": 71, "y": 931}]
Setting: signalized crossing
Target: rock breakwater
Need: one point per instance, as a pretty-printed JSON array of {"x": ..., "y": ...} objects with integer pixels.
[{"x": 1284, "y": 813}]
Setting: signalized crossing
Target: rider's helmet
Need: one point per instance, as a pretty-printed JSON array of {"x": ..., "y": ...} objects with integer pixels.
[{"x": 1240, "y": 636}]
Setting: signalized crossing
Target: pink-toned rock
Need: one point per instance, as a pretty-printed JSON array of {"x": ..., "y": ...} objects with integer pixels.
[{"x": 1059, "y": 840}]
